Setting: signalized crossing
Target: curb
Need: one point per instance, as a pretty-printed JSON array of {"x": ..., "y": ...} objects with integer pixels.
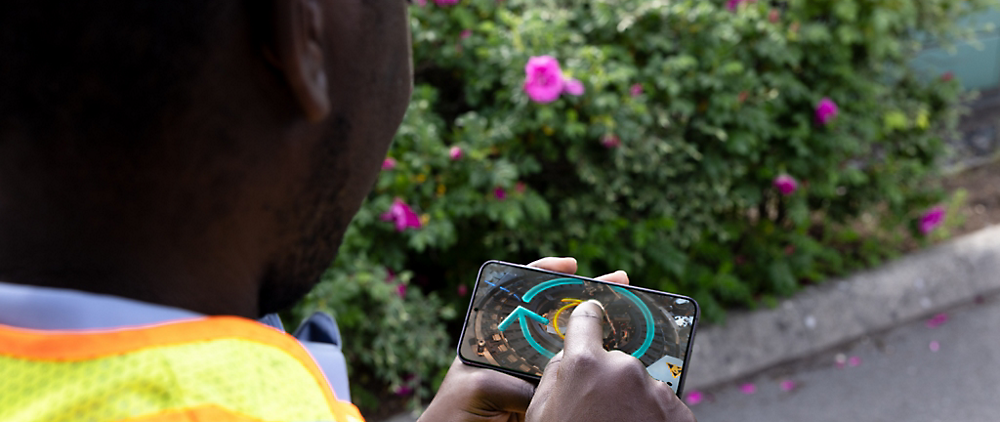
[{"x": 837, "y": 312}]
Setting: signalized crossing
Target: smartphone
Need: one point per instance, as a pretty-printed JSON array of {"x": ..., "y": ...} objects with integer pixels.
[{"x": 518, "y": 315}]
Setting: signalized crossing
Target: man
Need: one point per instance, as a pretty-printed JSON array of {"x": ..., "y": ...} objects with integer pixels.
[{"x": 166, "y": 161}]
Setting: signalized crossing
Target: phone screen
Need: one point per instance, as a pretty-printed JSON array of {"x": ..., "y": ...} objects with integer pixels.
[{"x": 518, "y": 316}]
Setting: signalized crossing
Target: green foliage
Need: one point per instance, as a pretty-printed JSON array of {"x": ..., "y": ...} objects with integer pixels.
[
  {"x": 686, "y": 202},
  {"x": 393, "y": 337}
]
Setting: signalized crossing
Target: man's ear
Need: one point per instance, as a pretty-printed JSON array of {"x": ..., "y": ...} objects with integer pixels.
[{"x": 298, "y": 44}]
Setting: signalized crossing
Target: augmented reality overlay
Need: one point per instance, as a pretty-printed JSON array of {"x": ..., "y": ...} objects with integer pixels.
[{"x": 518, "y": 321}]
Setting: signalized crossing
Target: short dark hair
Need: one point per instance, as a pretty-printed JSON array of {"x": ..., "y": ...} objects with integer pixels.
[{"x": 102, "y": 71}]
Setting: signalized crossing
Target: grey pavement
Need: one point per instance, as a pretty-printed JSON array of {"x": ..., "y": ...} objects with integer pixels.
[
  {"x": 898, "y": 377},
  {"x": 840, "y": 311}
]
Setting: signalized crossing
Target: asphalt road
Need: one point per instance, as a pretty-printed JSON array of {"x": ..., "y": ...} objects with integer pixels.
[{"x": 892, "y": 376}]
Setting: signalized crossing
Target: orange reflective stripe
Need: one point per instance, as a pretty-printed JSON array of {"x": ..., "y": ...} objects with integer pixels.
[
  {"x": 90, "y": 344},
  {"x": 197, "y": 414}
]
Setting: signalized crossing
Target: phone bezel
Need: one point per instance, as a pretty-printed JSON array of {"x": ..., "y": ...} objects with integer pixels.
[{"x": 536, "y": 378}]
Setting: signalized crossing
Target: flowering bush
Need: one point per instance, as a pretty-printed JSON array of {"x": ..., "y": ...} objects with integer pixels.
[{"x": 719, "y": 149}]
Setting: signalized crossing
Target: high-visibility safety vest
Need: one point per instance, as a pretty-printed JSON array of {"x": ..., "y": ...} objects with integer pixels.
[{"x": 223, "y": 369}]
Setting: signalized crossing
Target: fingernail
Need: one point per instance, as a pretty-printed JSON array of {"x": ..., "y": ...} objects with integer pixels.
[{"x": 596, "y": 302}]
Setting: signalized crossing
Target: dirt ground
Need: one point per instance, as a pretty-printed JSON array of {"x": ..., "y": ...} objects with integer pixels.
[{"x": 982, "y": 204}]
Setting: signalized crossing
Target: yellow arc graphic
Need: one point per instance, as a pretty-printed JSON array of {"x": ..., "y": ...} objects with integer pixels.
[{"x": 555, "y": 319}]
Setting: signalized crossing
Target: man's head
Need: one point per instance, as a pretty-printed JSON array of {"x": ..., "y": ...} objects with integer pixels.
[{"x": 206, "y": 154}]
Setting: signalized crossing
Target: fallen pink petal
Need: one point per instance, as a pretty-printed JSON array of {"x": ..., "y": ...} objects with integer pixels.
[
  {"x": 853, "y": 361},
  {"x": 935, "y": 346},
  {"x": 787, "y": 385},
  {"x": 937, "y": 320},
  {"x": 694, "y": 397},
  {"x": 748, "y": 388}
]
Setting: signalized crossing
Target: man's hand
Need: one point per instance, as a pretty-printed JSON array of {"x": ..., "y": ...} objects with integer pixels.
[
  {"x": 473, "y": 394},
  {"x": 585, "y": 383}
]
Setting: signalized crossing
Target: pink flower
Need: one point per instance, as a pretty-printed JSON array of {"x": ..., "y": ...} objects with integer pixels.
[
  {"x": 462, "y": 290},
  {"x": 748, "y": 388},
  {"x": 455, "y": 152},
  {"x": 773, "y": 16},
  {"x": 786, "y": 184},
  {"x": 787, "y": 385},
  {"x": 520, "y": 187},
  {"x": 446, "y": 2},
  {"x": 934, "y": 346},
  {"x": 635, "y": 90},
  {"x": 500, "y": 193},
  {"x": 826, "y": 111},
  {"x": 931, "y": 219},
  {"x": 401, "y": 290},
  {"x": 402, "y": 215},
  {"x": 421, "y": 3},
  {"x": 937, "y": 320},
  {"x": 733, "y": 4},
  {"x": 573, "y": 87},
  {"x": 694, "y": 397},
  {"x": 543, "y": 79},
  {"x": 611, "y": 141},
  {"x": 466, "y": 34},
  {"x": 389, "y": 163},
  {"x": 403, "y": 390}
]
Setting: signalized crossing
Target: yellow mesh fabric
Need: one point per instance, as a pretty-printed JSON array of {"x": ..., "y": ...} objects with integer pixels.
[{"x": 241, "y": 376}]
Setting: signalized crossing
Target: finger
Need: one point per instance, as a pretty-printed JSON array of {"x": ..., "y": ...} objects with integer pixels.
[
  {"x": 549, "y": 376},
  {"x": 500, "y": 391},
  {"x": 585, "y": 333},
  {"x": 617, "y": 277},
  {"x": 559, "y": 265},
  {"x": 506, "y": 393}
]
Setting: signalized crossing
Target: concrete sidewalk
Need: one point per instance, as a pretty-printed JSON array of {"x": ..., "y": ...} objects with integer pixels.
[
  {"x": 916, "y": 372},
  {"x": 838, "y": 312}
]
